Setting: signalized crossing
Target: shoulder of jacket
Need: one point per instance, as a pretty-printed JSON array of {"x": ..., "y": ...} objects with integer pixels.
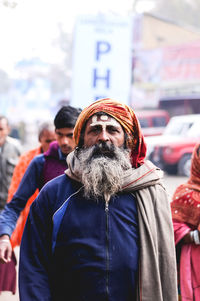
[{"x": 14, "y": 144}]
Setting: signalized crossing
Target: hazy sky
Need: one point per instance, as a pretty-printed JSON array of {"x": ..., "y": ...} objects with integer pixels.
[{"x": 29, "y": 28}]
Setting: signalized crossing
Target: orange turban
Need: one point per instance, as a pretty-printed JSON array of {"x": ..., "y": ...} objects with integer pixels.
[{"x": 125, "y": 116}]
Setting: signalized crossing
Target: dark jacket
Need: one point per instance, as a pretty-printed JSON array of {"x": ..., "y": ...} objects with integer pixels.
[{"x": 73, "y": 249}]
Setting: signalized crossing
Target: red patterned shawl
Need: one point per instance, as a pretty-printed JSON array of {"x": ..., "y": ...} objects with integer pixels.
[
  {"x": 125, "y": 116},
  {"x": 186, "y": 200}
]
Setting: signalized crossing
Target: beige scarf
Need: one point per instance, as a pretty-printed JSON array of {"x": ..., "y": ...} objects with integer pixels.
[{"x": 158, "y": 276}]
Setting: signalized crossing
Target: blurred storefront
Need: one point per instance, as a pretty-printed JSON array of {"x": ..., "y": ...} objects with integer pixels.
[{"x": 166, "y": 74}]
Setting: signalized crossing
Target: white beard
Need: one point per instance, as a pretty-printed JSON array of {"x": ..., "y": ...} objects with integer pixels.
[{"x": 102, "y": 175}]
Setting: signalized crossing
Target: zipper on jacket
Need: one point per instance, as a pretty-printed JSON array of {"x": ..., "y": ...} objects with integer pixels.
[
  {"x": 107, "y": 248},
  {"x": 106, "y": 206}
]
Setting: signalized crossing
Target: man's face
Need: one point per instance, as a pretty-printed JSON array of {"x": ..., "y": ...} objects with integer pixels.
[
  {"x": 4, "y": 131},
  {"x": 46, "y": 138},
  {"x": 64, "y": 136},
  {"x": 103, "y": 129},
  {"x": 104, "y": 158}
]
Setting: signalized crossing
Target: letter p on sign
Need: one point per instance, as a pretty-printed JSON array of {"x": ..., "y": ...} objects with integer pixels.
[{"x": 102, "y": 48}]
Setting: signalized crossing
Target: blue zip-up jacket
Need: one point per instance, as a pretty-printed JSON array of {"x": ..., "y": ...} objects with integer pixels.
[{"x": 73, "y": 249}]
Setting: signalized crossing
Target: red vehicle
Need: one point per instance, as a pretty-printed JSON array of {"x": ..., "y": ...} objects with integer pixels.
[
  {"x": 172, "y": 151},
  {"x": 153, "y": 122},
  {"x": 176, "y": 157}
]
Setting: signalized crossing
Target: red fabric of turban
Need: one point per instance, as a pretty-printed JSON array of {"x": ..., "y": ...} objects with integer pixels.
[{"x": 125, "y": 116}]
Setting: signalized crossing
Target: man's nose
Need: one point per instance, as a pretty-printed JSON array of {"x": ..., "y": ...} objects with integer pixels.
[
  {"x": 65, "y": 140},
  {"x": 103, "y": 136}
]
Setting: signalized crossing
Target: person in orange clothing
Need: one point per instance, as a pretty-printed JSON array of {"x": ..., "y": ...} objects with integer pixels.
[
  {"x": 45, "y": 136},
  {"x": 7, "y": 271}
]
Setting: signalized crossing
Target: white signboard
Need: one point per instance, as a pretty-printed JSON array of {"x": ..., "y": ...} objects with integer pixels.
[{"x": 102, "y": 59}]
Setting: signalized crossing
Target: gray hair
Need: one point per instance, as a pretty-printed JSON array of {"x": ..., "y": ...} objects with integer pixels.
[{"x": 45, "y": 126}]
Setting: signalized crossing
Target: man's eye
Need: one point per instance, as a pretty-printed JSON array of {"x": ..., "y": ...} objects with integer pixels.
[
  {"x": 112, "y": 130},
  {"x": 59, "y": 134},
  {"x": 94, "y": 130}
]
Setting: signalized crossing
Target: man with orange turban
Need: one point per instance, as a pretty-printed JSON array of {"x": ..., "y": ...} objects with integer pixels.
[{"x": 103, "y": 230}]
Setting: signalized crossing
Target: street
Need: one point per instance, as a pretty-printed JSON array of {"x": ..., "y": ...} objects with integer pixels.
[{"x": 170, "y": 182}]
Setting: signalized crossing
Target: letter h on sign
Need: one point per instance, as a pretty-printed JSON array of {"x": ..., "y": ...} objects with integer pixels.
[{"x": 102, "y": 48}]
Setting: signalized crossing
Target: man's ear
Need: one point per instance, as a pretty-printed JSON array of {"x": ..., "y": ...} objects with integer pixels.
[{"x": 127, "y": 141}]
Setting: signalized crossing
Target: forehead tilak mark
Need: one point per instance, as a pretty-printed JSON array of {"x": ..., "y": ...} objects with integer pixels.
[
  {"x": 104, "y": 117},
  {"x": 104, "y": 123}
]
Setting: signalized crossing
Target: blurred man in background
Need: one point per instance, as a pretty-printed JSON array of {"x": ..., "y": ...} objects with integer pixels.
[
  {"x": 10, "y": 150},
  {"x": 9, "y": 155}
]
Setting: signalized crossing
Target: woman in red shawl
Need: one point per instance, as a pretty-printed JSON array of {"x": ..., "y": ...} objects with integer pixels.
[{"x": 186, "y": 220}]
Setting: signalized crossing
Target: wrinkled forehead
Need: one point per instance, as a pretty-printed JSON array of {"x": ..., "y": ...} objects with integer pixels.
[{"x": 103, "y": 120}]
